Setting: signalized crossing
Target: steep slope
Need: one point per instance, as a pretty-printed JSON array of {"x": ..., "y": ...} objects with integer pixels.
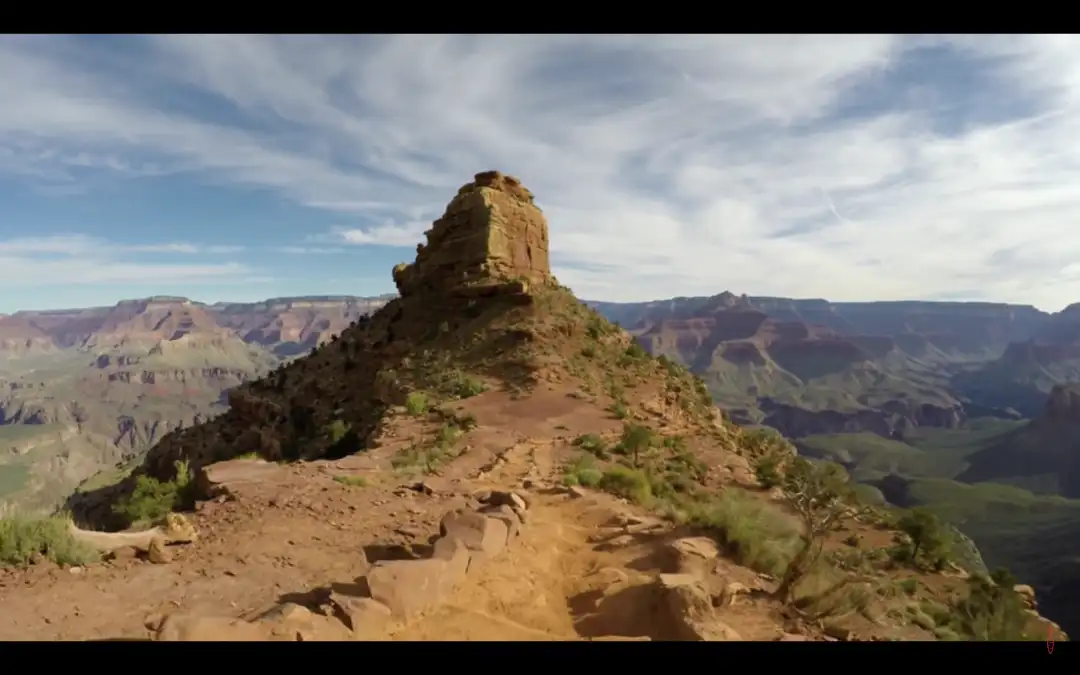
[{"x": 489, "y": 390}]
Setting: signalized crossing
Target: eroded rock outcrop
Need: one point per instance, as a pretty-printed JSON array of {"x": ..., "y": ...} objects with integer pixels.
[{"x": 491, "y": 233}]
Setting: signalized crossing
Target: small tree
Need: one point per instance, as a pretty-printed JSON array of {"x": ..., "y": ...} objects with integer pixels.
[
  {"x": 928, "y": 536},
  {"x": 635, "y": 440},
  {"x": 817, "y": 495}
]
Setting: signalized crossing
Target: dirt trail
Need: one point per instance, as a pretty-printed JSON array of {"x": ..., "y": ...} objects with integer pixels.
[{"x": 300, "y": 530}]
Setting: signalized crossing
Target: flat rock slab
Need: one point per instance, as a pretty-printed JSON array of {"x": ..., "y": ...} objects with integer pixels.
[
  {"x": 411, "y": 587},
  {"x": 479, "y": 533},
  {"x": 220, "y": 477}
]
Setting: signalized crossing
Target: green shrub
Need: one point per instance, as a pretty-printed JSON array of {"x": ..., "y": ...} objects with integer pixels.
[
  {"x": 633, "y": 484},
  {"x": 755, "y": 533},
  {"x": 636, "y": 351},
  {"x": 592, "y": 444},
  {"x": 152, "y": 499},
  {"x": 992, "y": 610},
  {"x": 335, "y": 431},
  {"x": 464, "y": 386},
  {"x": 767, "y": 470},
  {"x": 22, "y": 539},
  {"x": 582, "y": 471},
  {"x": 416, "y": 403}
]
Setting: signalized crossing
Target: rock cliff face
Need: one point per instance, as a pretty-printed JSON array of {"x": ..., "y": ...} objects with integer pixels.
[{"x": 491, "y": 231}]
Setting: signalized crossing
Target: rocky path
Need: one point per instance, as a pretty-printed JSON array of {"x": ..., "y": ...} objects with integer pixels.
[{"x": 296, "y": 535}]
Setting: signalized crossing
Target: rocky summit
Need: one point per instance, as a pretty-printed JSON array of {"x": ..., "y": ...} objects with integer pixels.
[
  {"x": 487, "y": 458},
  {"x": 491, "y": 232}
]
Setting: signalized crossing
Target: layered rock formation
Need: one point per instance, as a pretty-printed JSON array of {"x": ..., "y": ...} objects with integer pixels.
[{"x": 492, "y": 231}]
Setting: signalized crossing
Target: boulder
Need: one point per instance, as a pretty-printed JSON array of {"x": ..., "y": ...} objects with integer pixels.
[
  {"x": 506, "y": 515},
  {"x": 411, "y": 587},
  {"x": 691, "y": 555},
  {"x": 158, "y": 553},
  {"x": 365, "y": 617},
  {"x": 478, "y": 532},
  {"x": 686, "y": 612},
  {"x": 292, "y": 622}
]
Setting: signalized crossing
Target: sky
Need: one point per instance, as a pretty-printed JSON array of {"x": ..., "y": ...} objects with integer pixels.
[{"x": 245, "y": 167}]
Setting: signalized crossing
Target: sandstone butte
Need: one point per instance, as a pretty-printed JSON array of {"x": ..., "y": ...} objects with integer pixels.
[{"x": 484, "y": 458}]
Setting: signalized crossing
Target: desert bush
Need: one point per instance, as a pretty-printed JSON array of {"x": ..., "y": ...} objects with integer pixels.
[
  {"x": 464, "y": 386},
  {"x": 152, "y": 499},
  {"x": 753, "y": 532},
  {"x": 582, "y": 471},
  {"x": 992, "y": 610},
  {"x": 416, "y": 403},
  {"x": 631, "y": 483},
  {"x": 335, "y": 431},
  {"x": 767, "y": 470},
  {"x": 23, "y": 539},
  {"x": 636, "y": 351},
  {"x": 592, "y": 444}
]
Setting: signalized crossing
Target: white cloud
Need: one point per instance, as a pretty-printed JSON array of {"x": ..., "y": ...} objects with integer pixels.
[
  {"x": 845, "y": 167},
  {"x": 78, "y": 260},
  {"x": 306, "y": 250},
  {"x": 80, "y": 244}
]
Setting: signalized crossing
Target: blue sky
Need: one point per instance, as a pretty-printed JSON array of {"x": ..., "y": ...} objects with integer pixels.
[{"x": 244, "y": 167}]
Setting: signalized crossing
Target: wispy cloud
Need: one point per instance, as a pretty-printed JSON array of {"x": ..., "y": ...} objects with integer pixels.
[
  {"x": 308, "y": 250},
  {"x": 846, "y": 167},
  {"x": 79, "y": 259},
  {"x": 388, "y": 234},
  {"x": 79, "y": 244}
]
